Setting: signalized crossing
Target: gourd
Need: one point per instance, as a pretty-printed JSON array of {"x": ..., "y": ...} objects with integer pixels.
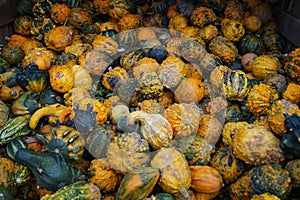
[
  {"x": 42, "y": 57},
  {"x": 178, "y": 23},
  {"x": 256, "y": 145},
  {"x": 65, "y": 140},
  {"x": 61, "y": 78},
  {"x": 210, "y": 128},
  {"x": 138, "y": 184},
  {"x": 103, "y": 176},
  {"x": 98, "y": 140},
  {"x": 252, "y": 23},
  {"x": 150, "y": 85},
  {"x": 79, "y": 189},
  {"x": 7, "y": 168},
  {"x": 95, "y": 61},
  {"x": 59, "y": 13},
  {"x": 240, "y": 190},
  {"x": 264, "y": 66},
  {"x": 16, "y": 40},
  {"x": 102, "y": 6},
  {"x": 251, "y": 43},
  {"x": 190, "y": 90},
  {"x": 183, "y": 118},
  {"x": 192, "y": 50},
  {"x": 26, "y": 104},
  {"x": 260, "y": 98},
  {"x": 105, "y": 44},
  {"x": 42, "y": 8},
  {"x": 118, "y": 8},
  {"x": 170, "y": 161},
  {"x": 40, "y": 26},
  {"x": 265, "y": 196},
  {"x": 151, "y": 106},
  {"x": 50, "y": 170},
  {"x": 4, "y": 113},
  {"x": 24, "y": 7},
  {"x": 196, "y": 149},
  {"x": 205, "y": 179},
  {"x": 78, "y": 17},
  {"x": 129, "y": 21},
  {"x": 22, "y": 174},
  {"x": 235, "y": 85},
  {"x": 232, "y": 29},
  {"x": 155, "y": 128},
  {"x": 82, "y": 78},
  {"x": 229, "y": 130},
  {"x": 223, "y": 48},
  {"x": 114, "y": 78},
  {"x": 263, "y": 11},
  {"x": 207, "y": 33},
  {"x": 58, "y": 38},
  {"x": 291, "y": 93},
  {"x": 234, "y": 10},
  {"x": 128, "y": 59},
  {"x": 12, "y": 54},
  {"x": 293, "y": 168},
  {"x": 22, "y": 25},
  {"x": 128, "y": 152},
  {"x": 14, "y": 128},
  {"x": 169, "y": 76},
  {"x": 49, "y": 96},
  {"x": 264, "y": 178},
  {"x": 202, "y": 16},
  {"x": 275, "y": 115},
  {"x": 227, "y": 164},
  {"x": 247, "y": 61},
  {"x": 52, "y": 111}
]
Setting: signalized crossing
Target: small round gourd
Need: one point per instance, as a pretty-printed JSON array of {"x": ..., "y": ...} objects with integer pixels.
[
  {"x": 232, "y": 29},
  {"x": 202, "y": 16},
  {"x": 58, "y": 38},
  {"x": 293, "y": 167},
  {"x": 61, "y": 78},
  {"x": 292, "y": 92},
  {"x": 118, "y": 8},
  {"x": 265, "y": 196},
  {"x": 223, "y": 48},
  {"x": 264, "y": 66}
]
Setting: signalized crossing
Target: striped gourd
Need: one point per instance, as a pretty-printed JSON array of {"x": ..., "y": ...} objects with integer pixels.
[
  {"x": 14, "y": 128},
  {"x": 73, "y": 3},
  {"x": 264, "y": 66},
  {"x": 129, "y": 58},
  {"x": 118, "y": 8},
  {"x": 15, "y": 145},
  {"x": 22, "y": 174}
]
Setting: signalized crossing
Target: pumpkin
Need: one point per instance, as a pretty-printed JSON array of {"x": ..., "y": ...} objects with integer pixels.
[
  {"x": 155, "y": 128},
  {"x": 291, "y": 93},
  {"x": 202, "y": 16},
  {"x": 106, "y": 44},
  {"x": 223, "y": 48},
  {"x": 239, "y": 190},
  {"x": 252, "y": 23},
  {"x": 207, "y": 33},
  {"x": 78, "y": 189},
  {"x": 118, "y": 8},
  {"x": 265, "y": 196},
  {"x": 196, "y": 149},
  {"x": 4, "y": 113},
  {"x": 256, "y": 145},
  {"x": 234, "y": 10},
  {"x": 260, "y": 98},
  {"x": 7, "y": 168},
  {"x": 232, "y": 29},
  {"x": 14, "y": 128},
  {"x": 264, "y": 66},
  {"x": 293, "y": 168},
  {"x": 42, "y": 8},
  {"x": 12, "y": 54},
  {"x": 22, "y": 25},
  {"x": 40, "y": 26},
  {"x": 114, "y": 78},
  {"x": 251, "y": 43},
  {"x": 178, "y": 23},
  {"x": 227, "y": 164},
  {"x": 61, "y": 78},
  {"x": 58, "y": 38},
  {"x": 183, "y": 118},
  {"x": 128, "y": 152},
  {"x": 210, "y": 128},
  {"x": 263, "y": 179},
  {"x": 78, "y": 17},
  {"x": 103, "y": 176},
  {"x": 205, "y": 179},
  {"x": 275, "y": 115},
  {"x": 59, "y": 13},
  {"x": 138, "y": 184},
  {"x": 235, "y": 85},
  {"x": 170, "y": 161},
  {"x": 190, "y": 90}
]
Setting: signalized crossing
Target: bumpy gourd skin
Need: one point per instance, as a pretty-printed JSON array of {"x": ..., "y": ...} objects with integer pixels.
[
  {"x": 270, "y": 178},
  {"x": 265, "y": 196},
  {"x": 232, "y": 29},
  {"x": 256, "y": 145},
  {"x": 150, "y": 85},
  {"x": 223, "y": 48}
]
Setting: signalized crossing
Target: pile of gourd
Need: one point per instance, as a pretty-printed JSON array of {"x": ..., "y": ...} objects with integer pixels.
[{"x": 124, "y": 99}]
